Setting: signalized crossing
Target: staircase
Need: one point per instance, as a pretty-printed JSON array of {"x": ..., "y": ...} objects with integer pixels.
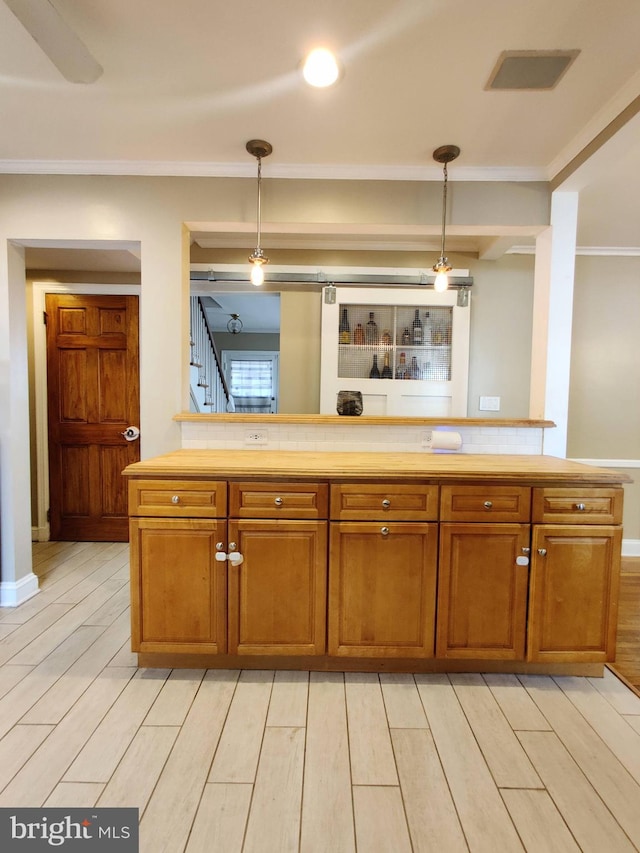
[{"x": 209, "y": 390}]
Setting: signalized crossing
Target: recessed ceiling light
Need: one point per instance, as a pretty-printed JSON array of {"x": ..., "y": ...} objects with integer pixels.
[{"x": 321, "y": 68}]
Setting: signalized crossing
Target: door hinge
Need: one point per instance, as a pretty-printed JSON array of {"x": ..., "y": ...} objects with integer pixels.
[{"x": 44, "y": 317}]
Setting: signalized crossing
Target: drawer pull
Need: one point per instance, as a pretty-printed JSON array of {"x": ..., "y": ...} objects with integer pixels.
[
  {"x": 581, "y": 507},
  {"x": 542, "y": 552},
  {"x": 386, "y": 503},
  {"x": 488, "y": 504},
  {"x": 175, "y": 499},
  {"x": 278, "y": 501},
  {"x": 384, "y": 531}
]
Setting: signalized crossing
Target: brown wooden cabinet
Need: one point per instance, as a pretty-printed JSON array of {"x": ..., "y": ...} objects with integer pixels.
[
  {"x": 482, "y": 591},
  {"x": 277, "y": 595},
  {"x": 382, "y": 588},
  {"x": 325, "y": 567},
  {"x": 575, "y": 574},
  {"x": 178, "y": 588}
]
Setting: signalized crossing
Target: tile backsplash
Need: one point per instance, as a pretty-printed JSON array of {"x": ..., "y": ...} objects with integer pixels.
[{"x": 357, "y": 437}]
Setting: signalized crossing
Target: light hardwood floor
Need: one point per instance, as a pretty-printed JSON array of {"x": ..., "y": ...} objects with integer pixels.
[{"x": 222, "y": 761}]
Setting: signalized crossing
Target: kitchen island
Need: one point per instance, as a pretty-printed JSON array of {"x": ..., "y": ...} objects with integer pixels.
[{"x": 374, "y": 561}]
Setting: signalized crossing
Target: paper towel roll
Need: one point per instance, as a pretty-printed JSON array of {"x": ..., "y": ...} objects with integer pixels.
[{"x": 445, "y": 440}]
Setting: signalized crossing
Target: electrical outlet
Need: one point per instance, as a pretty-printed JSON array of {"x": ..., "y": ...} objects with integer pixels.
[
  {"x": 426, "y": 438},
  {"x": 489, "y": 404},
  {"x": 256, "y": 437}
]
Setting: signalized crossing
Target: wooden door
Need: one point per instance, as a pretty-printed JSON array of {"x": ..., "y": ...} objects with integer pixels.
[
  {"x": 178, "y": 588},
  {"x": 482, "y": 591},
  {"x": 277, "y": 596},
  {"x": 575, "y": 573},
  {"x": 93, "y": 396},
  {"x": 382, "y": 589}
]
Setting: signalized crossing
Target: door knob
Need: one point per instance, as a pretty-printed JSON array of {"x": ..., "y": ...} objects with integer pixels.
[{"x": 131, "y": 433}]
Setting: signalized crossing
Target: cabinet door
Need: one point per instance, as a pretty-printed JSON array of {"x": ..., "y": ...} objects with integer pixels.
[
  {"x": 178, "y": 588},
  {"x": 382, "y": 588},
  {"x": 482, "y": 591},
  {"x": 436, "y": 367},
  {"x": 574, "y": 592},
  {"x": 277, "y": 596}
]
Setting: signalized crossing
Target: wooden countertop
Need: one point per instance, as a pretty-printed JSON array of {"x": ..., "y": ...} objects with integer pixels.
[
  {"x": 309, "y": 465},
  {"x": 362, "y": 420}
]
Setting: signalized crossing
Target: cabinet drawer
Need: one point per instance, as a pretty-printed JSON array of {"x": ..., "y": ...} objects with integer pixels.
[
  {"x": 278, "y": 500},
  {"x": 577, "y": 506},
  {"x": 485, "y": 503},
  {"x": 369, "y": 502},
  {"x": 178, "y": 498}
]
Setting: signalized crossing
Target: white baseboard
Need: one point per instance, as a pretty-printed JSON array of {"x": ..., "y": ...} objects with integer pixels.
[
  {"x": 13, "y": 593},
  {"x": 631, "y": 547},
  {"x": 40, "y": 534}
]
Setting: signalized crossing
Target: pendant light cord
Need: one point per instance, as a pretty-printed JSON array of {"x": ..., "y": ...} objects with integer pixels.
[
  {"x": 444, "y": 207},
  {"x": 258, "y": 218}
]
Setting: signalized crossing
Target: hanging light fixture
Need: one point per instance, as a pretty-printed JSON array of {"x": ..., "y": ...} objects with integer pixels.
[
  {"x": 258, "y": 148},
  {"x": 445, "y": 154},
  {"x": 235, "y": 324}
]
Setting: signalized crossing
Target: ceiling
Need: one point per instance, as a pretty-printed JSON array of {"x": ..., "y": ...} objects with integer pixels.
[{"x": 184, "y": 85}]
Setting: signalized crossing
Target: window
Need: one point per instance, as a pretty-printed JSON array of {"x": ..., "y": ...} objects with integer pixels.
[{"x": 252, "y": 377}]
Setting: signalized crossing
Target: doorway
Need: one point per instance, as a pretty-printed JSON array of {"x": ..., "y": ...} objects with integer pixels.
[{"x": 93, "y": 405}]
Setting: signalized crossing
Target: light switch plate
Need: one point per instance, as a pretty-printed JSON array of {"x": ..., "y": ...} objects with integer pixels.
[
  {"x": 489, "y": 404},
  {"x": 256, "y": 437}
]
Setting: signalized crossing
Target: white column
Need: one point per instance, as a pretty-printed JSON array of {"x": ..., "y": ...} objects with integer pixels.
[
  {"x": 552, "y": 321},
  {"x": 17, "y": 579}
]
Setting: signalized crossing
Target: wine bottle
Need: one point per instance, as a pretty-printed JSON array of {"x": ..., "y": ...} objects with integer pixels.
[
  {"x": 401, "y": 369},
  {"x": 427, "y": 330},
  {"x": 371, "y": 330},
  {"x": 374, "y": 373},
  {"x": 386, "y": 369},
  {"x": 416, "y": 329},
  {"x": 414, "y": 370},
  {"x": 358, "y": 334},
  {"x": 386, "y": 338},
  {"x": 406, "y": 337},
  {"x": 344, "y": 329}
]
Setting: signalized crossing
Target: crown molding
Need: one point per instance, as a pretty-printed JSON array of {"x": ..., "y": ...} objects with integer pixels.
[
  {"x": 593, "y": 251},
  {"x": 299, "y": 171}
]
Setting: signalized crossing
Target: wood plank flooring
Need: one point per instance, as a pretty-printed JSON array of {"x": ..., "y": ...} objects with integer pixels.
[
  {"x": 290, "y": 762},
  {"x": 627, "y": 662}
]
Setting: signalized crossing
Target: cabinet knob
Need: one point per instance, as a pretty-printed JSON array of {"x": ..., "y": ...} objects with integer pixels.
[
  {"x": 581, "y": 507},
  {"x": 384, "y": 531},
  {"x": 542, "y": 552},
  {"x": 219, "y": 546},
  {"x": 278, "y": 502},
  {"x": 526, "y": 550},
  {"x": 175, "y": 499},
  {"x": 233, "y": 546},
  {"x": 488, "y": 504},
  {"x": 386, "y": 503}
]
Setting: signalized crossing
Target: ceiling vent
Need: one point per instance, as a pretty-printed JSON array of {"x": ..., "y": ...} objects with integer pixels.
[{"x": 530, "y": 69}]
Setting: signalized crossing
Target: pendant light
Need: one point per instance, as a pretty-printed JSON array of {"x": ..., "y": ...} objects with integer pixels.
[
  {"x": 235, "y": 324},
  {"x": 258, "y": 148},
  {"x": 445, "y": 154}
]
